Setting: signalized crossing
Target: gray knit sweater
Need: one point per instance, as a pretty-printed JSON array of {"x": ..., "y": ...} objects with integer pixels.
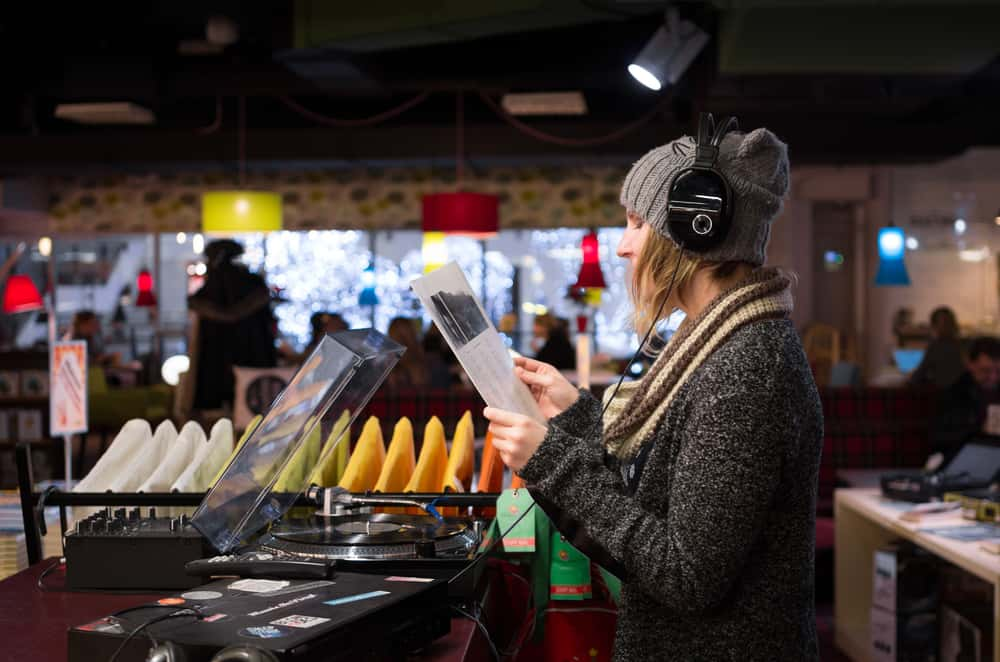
[{"x": 716, "y": 543}]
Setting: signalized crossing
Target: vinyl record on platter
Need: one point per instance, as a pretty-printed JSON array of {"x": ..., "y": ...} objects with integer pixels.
[
  {"x": 371, "y": 537},
  {"x": 380, "y": 529}
]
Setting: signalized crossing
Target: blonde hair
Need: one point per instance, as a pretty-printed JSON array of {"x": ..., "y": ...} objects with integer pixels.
[{"x": 651, "y": 287}]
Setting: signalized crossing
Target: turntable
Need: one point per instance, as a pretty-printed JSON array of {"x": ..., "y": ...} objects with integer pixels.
[{"x": 250, "y": 508}]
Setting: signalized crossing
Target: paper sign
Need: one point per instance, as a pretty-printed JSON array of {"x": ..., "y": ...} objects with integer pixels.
[{"x": 68, "y": 388}]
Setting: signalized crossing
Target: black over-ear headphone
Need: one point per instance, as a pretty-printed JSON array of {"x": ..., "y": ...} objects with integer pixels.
[{"x": 700, "y": 200}]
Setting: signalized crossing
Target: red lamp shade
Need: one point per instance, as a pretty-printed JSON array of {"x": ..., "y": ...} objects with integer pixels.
[
  {"x": 469, "y": 214},
  {"x": 590, "y": 271},
  {"x": 144, "y": 284},
  {"x": 21, "y": 295}
]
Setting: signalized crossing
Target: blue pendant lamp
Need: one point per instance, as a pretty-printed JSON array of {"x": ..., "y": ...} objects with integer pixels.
[{"x": 891, "y": 250}]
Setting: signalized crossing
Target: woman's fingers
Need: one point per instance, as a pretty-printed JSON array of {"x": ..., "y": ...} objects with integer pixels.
[
  {"x": 534, "y": 378},
  {"x": 502, "y": 416},
  {"x": 530, "y": 364}
]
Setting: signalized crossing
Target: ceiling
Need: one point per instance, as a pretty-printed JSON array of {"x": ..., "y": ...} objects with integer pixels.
[{"x": 842, "y": 81}]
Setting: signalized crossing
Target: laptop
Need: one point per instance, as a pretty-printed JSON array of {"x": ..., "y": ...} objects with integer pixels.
[
  {"x": 976, "y": 465},
  {"x": 907, "y": 360}
]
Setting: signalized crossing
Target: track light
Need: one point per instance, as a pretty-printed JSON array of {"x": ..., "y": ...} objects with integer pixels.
[{"x": 668, "y": 53}]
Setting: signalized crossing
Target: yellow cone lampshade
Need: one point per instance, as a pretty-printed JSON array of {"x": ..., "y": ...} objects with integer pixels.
[
  {"x": 429, "y": 472},
  {"x": 458, "y": 472},
  {"x": 233, "y": 212},
  {"x": 400, "y": 459},
  {"x": 365, "y": 465}
]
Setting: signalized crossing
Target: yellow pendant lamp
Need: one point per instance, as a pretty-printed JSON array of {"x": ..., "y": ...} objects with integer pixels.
[
  {"x": 234, "y": 212},
  {"x": 238, "y": 211}
]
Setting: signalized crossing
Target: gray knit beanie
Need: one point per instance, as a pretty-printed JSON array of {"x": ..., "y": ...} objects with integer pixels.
[{"x": 756, "y": 165}]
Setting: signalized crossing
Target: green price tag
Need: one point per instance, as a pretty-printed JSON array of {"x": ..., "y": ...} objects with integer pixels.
[
  {"x": 569, "y": 571},
  {"x": 510, "y": 506}
]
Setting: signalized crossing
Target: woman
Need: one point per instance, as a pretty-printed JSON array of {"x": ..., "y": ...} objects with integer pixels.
[
  {"x": 321, "y": 324},
  {"x": 557, "y": 349},
  {"x": 234, "y": 325},
  {"x": 698, "y": 487},
  {"x": 942, "y": 364}
]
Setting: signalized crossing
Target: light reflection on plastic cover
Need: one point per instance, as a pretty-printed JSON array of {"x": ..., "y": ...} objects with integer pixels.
[{"x": 335, "y": 381}]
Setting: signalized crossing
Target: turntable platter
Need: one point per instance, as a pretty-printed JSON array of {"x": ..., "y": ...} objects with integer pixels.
[{"x": 370, "y": 536}]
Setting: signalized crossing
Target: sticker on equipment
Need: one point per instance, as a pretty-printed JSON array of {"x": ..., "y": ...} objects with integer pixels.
[
  {"x": 355, "y": 598},
  {"x": 297, "y": 621},
  {"x": 259, "y": 585},
  {"x": 264, "y": 632}
]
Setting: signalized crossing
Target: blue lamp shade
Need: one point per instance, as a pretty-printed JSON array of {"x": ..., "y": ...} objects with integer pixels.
[
  {"x": 891, "y": 248},
  {"x": 368, "y": 296}
]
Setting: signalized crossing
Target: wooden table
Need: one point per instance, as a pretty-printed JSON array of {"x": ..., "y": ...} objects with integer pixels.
[
  {"x": 863, "y": 477},
  {"x": 864, "y": 521},
  {"x": 34, "y": 622}
]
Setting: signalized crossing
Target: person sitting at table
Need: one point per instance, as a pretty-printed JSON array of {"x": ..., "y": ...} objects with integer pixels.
[
  {"x": 321, "y": 323},
  {"x": 557, "y": 349},
  {"x": 962, "y": 408},
  {"x": 411, "y": 371},
  {"x": 942, "y": 364},
  {"x": 442, "y": 365},
  {"x": 86, "y": 325}
]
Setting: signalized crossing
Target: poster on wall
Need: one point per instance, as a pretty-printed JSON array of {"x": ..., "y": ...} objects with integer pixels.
[{"x": 68, "y": 388}]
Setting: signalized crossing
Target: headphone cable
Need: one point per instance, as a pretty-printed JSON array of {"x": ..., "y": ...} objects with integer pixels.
[{"x": 598, "y": 424}]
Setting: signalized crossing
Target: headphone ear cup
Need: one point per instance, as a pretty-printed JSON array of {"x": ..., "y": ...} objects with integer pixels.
[
  {"x": 166, "y": 651},
  {"x": 243, "y": 653}
]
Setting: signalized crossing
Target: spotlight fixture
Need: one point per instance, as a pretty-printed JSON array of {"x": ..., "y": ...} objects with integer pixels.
[{"x": 667, "y": 55}]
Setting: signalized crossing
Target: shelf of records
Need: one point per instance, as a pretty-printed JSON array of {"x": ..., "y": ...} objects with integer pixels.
[
  {"x": 22, "y": 424},
  {"x": 24, "y": 403},
  {"x": 23, "y": 384}
]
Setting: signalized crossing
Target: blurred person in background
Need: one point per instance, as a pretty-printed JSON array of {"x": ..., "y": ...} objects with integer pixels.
[
  {"x": 962, "y": 408},
  {"x": 86, "y": 325},
  {"x": 322, "y": 324},
  {"x": 411, "y": 371},
  {"x": 234, "y": 325},
  {"x": 942, "y": 364},
  {"x": 443, "y": 368},
  {"x": 557, "y": 349}
]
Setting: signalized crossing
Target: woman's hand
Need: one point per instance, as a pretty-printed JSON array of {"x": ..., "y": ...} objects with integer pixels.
[
  {"x": 553, "y": 392},
  {"x": 516, "y": 437}
]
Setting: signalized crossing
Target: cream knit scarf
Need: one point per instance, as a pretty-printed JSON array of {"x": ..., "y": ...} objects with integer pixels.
[{"x": 640, "y": 405}]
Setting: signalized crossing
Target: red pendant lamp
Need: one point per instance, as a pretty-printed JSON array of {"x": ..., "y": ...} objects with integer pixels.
[
  {"x": 21, "y": 295},
  {"x": 144, "y": 286},
  {"x": 590, "y": 276},
  {"x": 468, "y": 214},
  {"x": 461, "y": 213}
]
